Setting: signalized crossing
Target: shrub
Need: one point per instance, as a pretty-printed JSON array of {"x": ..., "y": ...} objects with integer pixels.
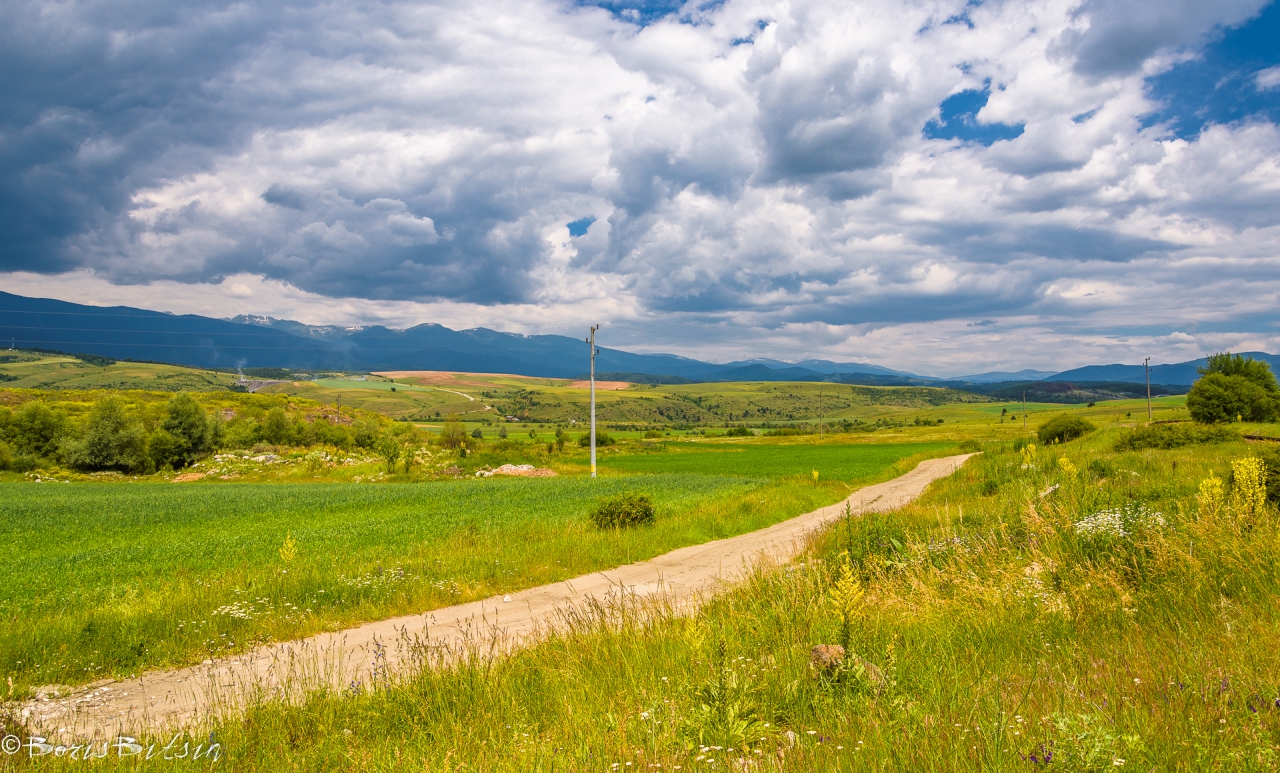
[
  {"x": 1063, "y": 428},
  {"x": 1166, "y": 436},
  {"x": 453, "y": 435},
  {"x": 970, "y": 447},
  {"x": 1100, "y": 468},
  {"x": 112, "y": 440},
  {"x": 622, "y": 511},
  {"x": 36, "y": 429},
  {"x": 738, "y": 432},
  {"x": 188, "y": 430},
  {"x": 477, "y": 433},
  {"x": 602, "y": 440},
  {"x": 1232, "y": 387},
  {"x": 365, "y": 433},
  {"x": 1216, "y": 399},
  {"x": 6, "y": 456},
  {"x": 276, "y": 429}
]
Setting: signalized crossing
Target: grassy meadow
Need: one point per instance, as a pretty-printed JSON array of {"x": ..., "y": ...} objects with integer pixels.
[
  {"x": 104, "y": 579},
  {"x": 1125, "y": 618}
]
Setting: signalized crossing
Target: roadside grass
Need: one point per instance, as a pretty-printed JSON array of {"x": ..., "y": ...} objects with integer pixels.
[
  {"x": 1003, "y": 623},
  {"x": 107, "y": 579}
]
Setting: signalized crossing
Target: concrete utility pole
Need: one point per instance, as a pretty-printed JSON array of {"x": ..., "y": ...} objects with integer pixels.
[
  {"x": 1146, "y": 365},
  {"x": 594, "y": 351},
  {"x": 1024, "y": 410}
]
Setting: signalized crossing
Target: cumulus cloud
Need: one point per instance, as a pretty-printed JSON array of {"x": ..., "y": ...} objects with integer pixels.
[{"x": 826, "y": 179}]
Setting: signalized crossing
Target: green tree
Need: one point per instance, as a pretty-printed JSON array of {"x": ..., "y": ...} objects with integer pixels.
[
  {"x": 389, "y": 448},
  {"x": 112, "y": 440},
  {"x": 1232, "y": 387},
  {"x": 37, "y": 429},
  {"x": 366, "y": 433},
  {"x": 276, "y": 429},
  {"x": 454, "y": 434},
  {"x": 188, "y": 428}
]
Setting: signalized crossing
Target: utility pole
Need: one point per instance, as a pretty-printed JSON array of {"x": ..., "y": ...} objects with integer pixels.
[
  {"x": 1146, "y": 366},
  {"x": 592, "y": 342},
  {"x": 1024, "y": 410},
  {"x": 822, "y": 413}
]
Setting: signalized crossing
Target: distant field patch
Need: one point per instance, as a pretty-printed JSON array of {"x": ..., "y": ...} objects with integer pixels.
[{"x": 847, "y": 462}]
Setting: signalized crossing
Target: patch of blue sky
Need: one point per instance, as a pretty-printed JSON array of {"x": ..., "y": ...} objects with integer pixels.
[
  {"x": 958, "y": 120},
  {"x": 580, "y": 227},
  {"x": 645, "y": 12},
  {"x": 1236, "y": 77}
]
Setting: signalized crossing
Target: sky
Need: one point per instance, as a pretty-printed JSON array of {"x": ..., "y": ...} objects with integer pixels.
[{"x": 941, "y": 187}]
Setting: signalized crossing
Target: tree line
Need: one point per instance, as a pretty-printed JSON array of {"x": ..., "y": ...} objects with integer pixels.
[{"x": 124, "y": 436}]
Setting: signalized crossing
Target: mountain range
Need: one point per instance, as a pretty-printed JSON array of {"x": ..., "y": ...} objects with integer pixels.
[{"x": 123, "y": 332}]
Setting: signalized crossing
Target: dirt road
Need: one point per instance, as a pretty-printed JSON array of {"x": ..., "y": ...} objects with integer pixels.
[{"x": 180, "y": 697}]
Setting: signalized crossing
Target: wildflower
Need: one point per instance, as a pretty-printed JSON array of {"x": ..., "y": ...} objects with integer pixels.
[
  {"x": 1249, "y": 493},
  {"x": 289, "y": 550},
  {"x": 1028, "y": 455},
  {"x": 1118, "y": 762},
  {"x": 1211, "y": 495},
  {"x": 846, "y": 597},
  {"x": 1068, "y": 468}
]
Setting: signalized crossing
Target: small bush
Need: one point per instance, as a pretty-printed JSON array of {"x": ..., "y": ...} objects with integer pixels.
[
  {"x": 477, "y": 433},
  {"x": 970, "y": 447},
  {"x": 602, "y": 440},
  {"x": 1100, "y": 468},
  {"x": 1063, "y": 428},
  {"x": 738, "y": 432},
  {"x": 622, "y": 511},
  {"x": 1166, "y": 436}
]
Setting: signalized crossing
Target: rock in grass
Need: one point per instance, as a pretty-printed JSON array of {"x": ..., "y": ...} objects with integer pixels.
[
  {"x": 826, "y": 658},
  {"x": 831, "y": 660}
]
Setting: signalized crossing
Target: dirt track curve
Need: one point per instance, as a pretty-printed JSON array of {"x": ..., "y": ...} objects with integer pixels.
[{"x": 180, "y": 697}]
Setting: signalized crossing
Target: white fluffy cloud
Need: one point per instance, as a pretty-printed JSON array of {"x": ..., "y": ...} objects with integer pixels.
[{"x": 759, "y": 173}]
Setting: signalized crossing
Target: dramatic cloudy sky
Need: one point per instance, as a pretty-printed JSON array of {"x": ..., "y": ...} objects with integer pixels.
[{"x": 936, "y": 185}]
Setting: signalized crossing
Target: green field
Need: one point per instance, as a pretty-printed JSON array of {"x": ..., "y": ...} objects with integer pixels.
[
  {"x": 102, "y": 579},
  {"x": 849, "y": 463}
]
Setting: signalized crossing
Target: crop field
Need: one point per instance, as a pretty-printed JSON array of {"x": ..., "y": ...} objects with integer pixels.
[
  {"x": 851, "y": 463},
  {"x": 102, "y": 579}
]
